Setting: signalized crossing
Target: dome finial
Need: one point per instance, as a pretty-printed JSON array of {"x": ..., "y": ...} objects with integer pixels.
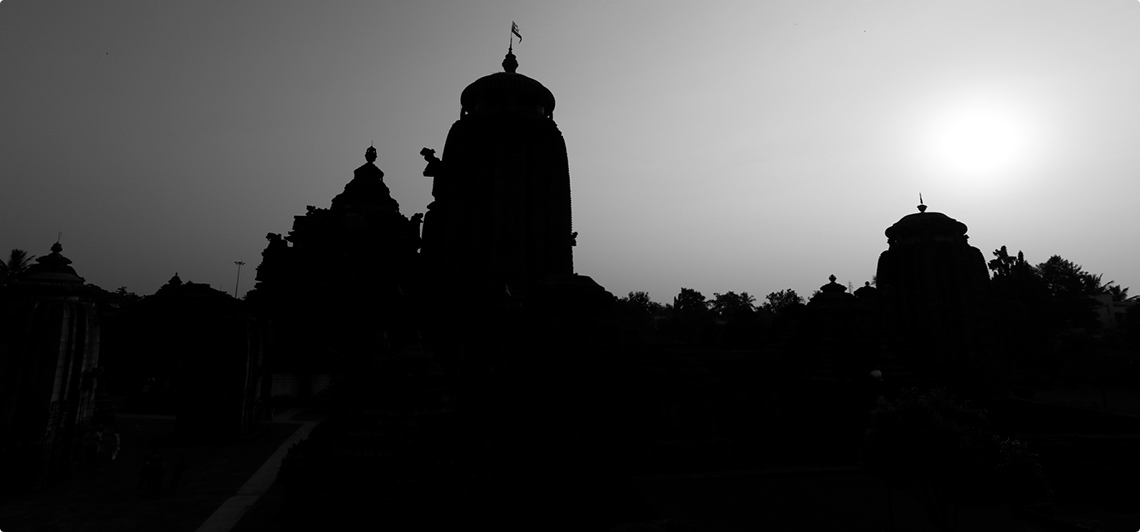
[
  {"x": 921, "y": 207},
  {"x": 509, "y": 63}
]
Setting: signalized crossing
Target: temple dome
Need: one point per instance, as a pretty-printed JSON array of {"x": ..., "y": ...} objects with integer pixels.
[
  {"x": 506, "y": 90},
  {"x": 54, "y": 268},
  {"x": 922, "y": 222}
]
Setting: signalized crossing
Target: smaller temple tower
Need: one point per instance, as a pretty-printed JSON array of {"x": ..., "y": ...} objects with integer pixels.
[
  {"x": 338, "y": 284},
  {"x": 935, "y": 289},
  {"x": 49, "y": 350}
]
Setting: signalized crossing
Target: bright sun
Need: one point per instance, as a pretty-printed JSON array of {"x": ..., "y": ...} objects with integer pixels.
[{"x": 978, "y": 140}]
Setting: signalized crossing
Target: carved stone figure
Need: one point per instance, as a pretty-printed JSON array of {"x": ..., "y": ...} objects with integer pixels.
[{"x": 435, "y": 166}]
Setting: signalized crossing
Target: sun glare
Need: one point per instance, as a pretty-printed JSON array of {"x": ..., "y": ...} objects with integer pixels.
[{"x": 979, "y": 140}]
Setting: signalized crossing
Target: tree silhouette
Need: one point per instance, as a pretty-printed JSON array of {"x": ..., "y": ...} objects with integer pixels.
[
  {"x": 1118, "y": 293},
  {"x": 641, "y": 302},
  {"x": 1005, "y": 266},
  {"x": 122, "y": 293},
  {"x": 1064, "y": 277},
  {"x": 1057, "y": 293},
  {"x": 637, "y": 310},
  {"x": 690, "y": 303},
  {"x": 1071, "y": 291},
  {"x": 780, "y": 302},
  {"x": 1017, "y": 280},
  {"x": 731, "y": 304},
  {"x": 691, "y": 321},
  {"x": 17, "y": 263}
]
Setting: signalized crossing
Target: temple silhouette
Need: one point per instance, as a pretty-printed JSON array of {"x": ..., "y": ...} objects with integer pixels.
[
  {"x": 372, "y": 333},
  {"x": 501, "y": 213},
  {"x": 471, "y": 376},
  {"x": 337, "y": 283},
  {"x": 935, "y": 294},
  {"x": 50, "y": 347}
]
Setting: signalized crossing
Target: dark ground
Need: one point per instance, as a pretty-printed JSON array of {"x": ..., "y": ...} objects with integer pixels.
[
  {"x": 829, "y": 501},
  {"x": 838, "y": 500},
  {"x": 106, "y": 497}
]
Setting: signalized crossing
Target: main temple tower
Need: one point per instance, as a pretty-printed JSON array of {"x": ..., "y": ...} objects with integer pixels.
[
  {"x": 935, "y": 286},
  {"x": 501, "y": 215}
]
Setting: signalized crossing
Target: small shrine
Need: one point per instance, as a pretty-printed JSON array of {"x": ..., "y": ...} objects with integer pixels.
[{"x": 49, "y": 354}]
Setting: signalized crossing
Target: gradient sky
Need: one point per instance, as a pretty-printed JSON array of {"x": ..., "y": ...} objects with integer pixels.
[{"x": 743, "y": 146}]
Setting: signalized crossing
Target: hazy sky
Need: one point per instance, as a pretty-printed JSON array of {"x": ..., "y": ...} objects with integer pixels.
[{"x": 745, "y": 146}]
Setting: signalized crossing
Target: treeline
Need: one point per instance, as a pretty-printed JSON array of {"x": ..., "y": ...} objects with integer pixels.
[
  {"x": 1058, "y": 293},
  {"x": 730, "y": 320},
  {"x": 1038, "y": 303}
]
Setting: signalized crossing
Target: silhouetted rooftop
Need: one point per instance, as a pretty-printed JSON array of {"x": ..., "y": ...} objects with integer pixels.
[
  {"x": 190, "y": 297},
  {"x": 507, "y": 89},
  {"x": 366, "y": 188},
  {"x": 54, "y": 268},
  {"x": 832, "y": 286},
  {"x": 926, "y": 222},
  {"x": 831, "y": 294}
]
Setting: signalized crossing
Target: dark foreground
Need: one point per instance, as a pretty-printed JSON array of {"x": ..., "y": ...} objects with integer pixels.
[{"x": 107, "y": 497}]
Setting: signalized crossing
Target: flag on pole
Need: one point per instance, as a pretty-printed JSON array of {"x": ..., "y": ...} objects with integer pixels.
[{"x": 515, "y": 30}]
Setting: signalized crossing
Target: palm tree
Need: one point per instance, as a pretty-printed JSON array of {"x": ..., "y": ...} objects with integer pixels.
[
  {"x": 17, "y": 263},
  {"x": 1119, "y": 293}
]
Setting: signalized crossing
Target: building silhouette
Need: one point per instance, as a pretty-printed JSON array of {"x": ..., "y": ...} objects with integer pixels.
[
  {"x": 338, "y": 284},
  {"x": 501, "y": 209},
  {"x": 49, "y": 352},
  {"x": 204, "y": 350},
  {"x": 935, "y": 298},
  {"x": 436, "y": 404}
]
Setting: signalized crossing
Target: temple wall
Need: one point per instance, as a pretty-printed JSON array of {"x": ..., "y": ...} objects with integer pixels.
[{"x": 51, "y": 348}]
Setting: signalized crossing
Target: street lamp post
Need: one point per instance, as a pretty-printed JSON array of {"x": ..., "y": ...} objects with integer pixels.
[{"x": 238, "y": 281}]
